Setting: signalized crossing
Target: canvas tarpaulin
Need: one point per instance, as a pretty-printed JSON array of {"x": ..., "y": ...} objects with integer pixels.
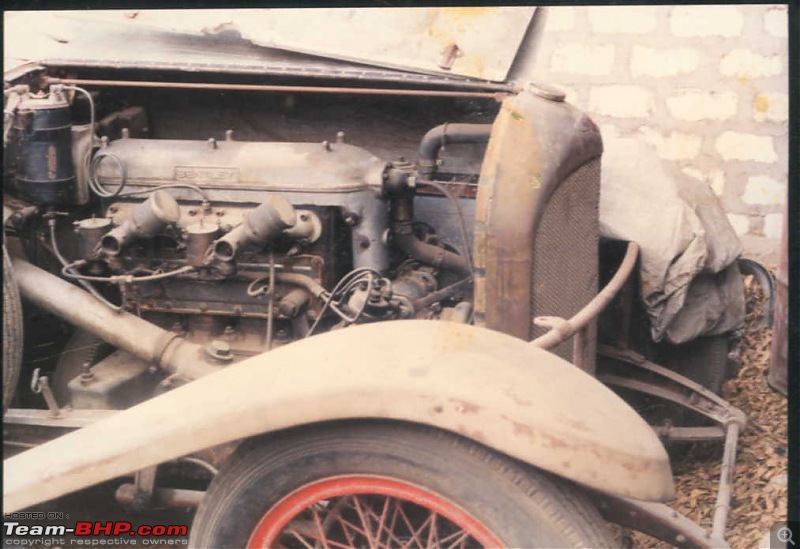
[{"x": 690, "y": 281}]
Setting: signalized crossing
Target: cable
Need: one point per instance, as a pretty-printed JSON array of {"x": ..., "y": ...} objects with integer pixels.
[
  {"x": 461, "y": 220},
  {"x": 91, "y": 102},
  {"x": 270, "y": 299},
  {"x": 95, "y": 185},
  {"x": 117, "y": 279},
  {"x": 352, "y": 276},
  {"x": 65, "y": 263},
  {"x": 93, "y": 162},
  {"x": 200, "y": 463},
  {"x": 98, "y": 189}
]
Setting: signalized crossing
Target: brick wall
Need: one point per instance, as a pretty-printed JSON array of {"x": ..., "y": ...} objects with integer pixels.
[{"x": 706, "y": 85}]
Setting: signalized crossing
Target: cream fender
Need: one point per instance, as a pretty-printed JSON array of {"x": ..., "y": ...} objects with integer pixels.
[{"x": 484, "y": 385}]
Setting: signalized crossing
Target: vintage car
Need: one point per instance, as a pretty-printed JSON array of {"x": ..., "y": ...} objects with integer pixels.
[{"x": 349, "y": 278}]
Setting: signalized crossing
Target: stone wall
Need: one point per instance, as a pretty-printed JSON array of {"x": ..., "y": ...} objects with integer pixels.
[{"x": 706, "y": 85}]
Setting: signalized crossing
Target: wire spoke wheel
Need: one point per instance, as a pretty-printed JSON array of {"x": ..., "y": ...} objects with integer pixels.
[
  {"x": 380, "y": 485},
  {"x": 377, "y": 513}
]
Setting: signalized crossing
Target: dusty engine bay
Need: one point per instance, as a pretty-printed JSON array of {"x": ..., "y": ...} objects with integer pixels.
[{"x": 243, "y": 221}]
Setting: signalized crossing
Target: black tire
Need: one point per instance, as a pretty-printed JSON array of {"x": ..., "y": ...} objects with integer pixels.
[
  {"x": 12, "y": 332},
  {"x": 519, "y": 506},
  {"x": 703, "y": 360}
]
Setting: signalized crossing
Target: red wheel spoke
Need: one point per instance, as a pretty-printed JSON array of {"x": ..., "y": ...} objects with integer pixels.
[
  {"x": 300, "y": 538},
  {"x": 461, "y": 538},
  {"x": 389, "y": 535},
  {"x": 418, "y": 532},
  {"x": 324, "y": 540},
  {"x": 347, "y": 524},
  {"x": 318, "y": 522},
  {"x": 410, "y": 526},
  {"x": 380, "y": 513},
  {"x": 337, "y": 514},
  {"x": 364, "y": 523},
  {"x": 382, "y": 519},
  {"x": 432, "y": 530}
]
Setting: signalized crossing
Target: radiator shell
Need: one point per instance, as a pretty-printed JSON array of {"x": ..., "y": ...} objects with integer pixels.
[{"x": 536, "y": 220}]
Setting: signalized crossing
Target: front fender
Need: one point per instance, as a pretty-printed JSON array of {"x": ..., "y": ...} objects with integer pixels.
[{"x": 481, "y": 384}]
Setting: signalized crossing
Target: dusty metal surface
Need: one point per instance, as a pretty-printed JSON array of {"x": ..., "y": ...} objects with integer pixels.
[
  {"x": 656, "y": 520},
  {"x": 631, "y": 370},
  {"x": 405, "y": 38},
  {"x": 651, "y": 379},
  {"x": 490, "y": 387},
  {"x": 535, "y": 145},
  {"x": 563, "y": 329},
  {"x": 122, "y": 329},
  {"x": 70, "y": 419},
  {"x": 278, "y": 88},
  {"x": 229, "y": 165}
]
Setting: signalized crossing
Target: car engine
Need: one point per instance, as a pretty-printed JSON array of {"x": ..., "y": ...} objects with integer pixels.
[{"x": 241, "y": 246}]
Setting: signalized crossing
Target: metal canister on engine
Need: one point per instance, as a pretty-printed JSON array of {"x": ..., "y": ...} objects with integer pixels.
[
  {"x": 199, "y": 238},
  {"x": 90, "y": 232},
  {"x": 45, "y": 172}
]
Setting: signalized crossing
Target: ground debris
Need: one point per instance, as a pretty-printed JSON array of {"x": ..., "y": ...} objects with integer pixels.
[{"x": 759, "y": 497}]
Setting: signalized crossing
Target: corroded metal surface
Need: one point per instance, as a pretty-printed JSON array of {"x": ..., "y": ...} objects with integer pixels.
[
  {"x": 486, "y": 39},
  {"x": 535, "y": 145},
  {"x": 122, "y": 329},
  {"x": 563, "y": 328},
  {"x": 484, "y": 385},
  {"x": 657, "y": 520}
]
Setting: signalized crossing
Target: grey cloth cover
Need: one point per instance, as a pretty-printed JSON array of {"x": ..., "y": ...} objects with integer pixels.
[{"x": 690, "y": 280}]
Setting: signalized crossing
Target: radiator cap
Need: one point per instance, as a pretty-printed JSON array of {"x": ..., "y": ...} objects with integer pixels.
[{"x": 551, "y": 93}]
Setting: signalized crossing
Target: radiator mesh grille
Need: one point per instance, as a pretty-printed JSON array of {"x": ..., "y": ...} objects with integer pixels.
[{"x": 565, "y": 261}]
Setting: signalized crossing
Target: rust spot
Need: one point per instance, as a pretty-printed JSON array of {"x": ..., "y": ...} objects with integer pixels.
[
  {"x": 470, "y": 12},
  {"x": 418, "y": 372},
  {"x": 464, "y": 407},
  {"x": 556, "y": 443},
  {"x": 517, "y": 399},
  {"x": 522, "y": 429},
  {"x": 577, "y": 424},
  {"x": 51, "y": 162},
  {"x": 566, "y": 464},
  {"x": 438, "y": 409},
  {"x": 636, "y": 466}
]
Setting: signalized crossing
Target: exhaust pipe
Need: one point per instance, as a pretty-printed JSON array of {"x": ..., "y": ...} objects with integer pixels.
[{"x": 121, "y": 329}]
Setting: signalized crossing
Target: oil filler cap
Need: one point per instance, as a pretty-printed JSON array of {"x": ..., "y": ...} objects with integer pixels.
[{"x": 546, "y": 91}]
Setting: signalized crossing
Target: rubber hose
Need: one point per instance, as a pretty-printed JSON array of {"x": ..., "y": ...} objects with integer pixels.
[{"x": 430, "y": 254}]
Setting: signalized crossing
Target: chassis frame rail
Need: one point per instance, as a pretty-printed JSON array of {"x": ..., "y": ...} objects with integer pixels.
[{"x": 649, "y": 378}]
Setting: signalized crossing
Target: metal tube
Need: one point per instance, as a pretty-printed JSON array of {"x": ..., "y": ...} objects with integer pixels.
[
  {"x": 270, "y": 301},
  {"x": 164, "y": 497},
  {"x": 564, "y": 329},
  {"x": 276, "y": 88},
  {"x": 121, "y": 329},
  {"x": 438, "y": 137},
  {"x": 579, "y": 349},
  {"x": 723, "y": 505},
  {"x": 428, "y": 253}
]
